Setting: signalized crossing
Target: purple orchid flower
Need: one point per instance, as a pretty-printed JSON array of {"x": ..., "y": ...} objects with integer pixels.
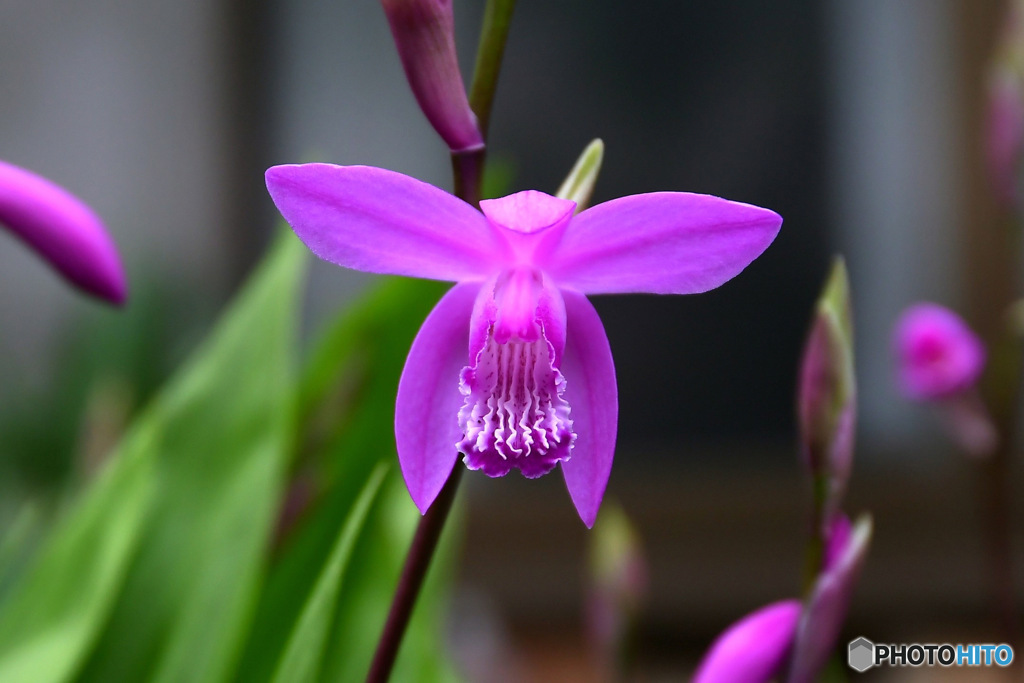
[
  {"x": 512, "y": 368},
  {"x": 63, "y": 230}
]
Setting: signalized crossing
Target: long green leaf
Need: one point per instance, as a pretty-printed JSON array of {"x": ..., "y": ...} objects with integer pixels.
[
  {"x": 56, "y": 611},
  {"x": 366, "y": 596},
  {"x": 225, "y": 424},
  {"x": 302, "y": 657},
  {"x": 346, "y": 415},
  {"x": 347, "y": 400}
]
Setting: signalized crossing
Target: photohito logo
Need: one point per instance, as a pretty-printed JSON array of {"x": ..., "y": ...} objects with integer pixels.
[{"x": 863, "y": 654}]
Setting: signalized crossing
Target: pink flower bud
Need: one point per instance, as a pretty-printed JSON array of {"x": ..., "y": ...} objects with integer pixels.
[
  {"x": 63, "y": 230},
  {"x": 826, "y": 606},
  {"x": 755, "y": 649},
  {"x": 1004, "y": 137},
  {"x": 827, "y": 391},
  {"x": 424, "y": 32},
  {"x": 1004, "y": 134}
]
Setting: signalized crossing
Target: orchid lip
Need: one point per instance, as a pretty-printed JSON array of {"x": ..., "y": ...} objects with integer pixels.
[{"x": 514, "y": 415}]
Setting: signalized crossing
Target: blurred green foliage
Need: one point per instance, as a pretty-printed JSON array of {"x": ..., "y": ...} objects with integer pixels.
[
  {"x": 107, "y": 364},
  {"x": 251, "y": 524}
]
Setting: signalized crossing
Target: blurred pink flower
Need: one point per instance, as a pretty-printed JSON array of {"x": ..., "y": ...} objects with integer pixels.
[
  {"x": 513, "y": 367},
  {"x": 938, "y": 356},
  {"x": 63, "y": 230}
]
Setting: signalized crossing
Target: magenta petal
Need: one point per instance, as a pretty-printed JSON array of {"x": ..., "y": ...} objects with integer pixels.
[
  {"x": 590, "y": 390},
  {"x": 426, "y": 413},
  {"x": 754, "y": 649},
  {"x": 664, "y": 242},
  {"x": 379, "y": 221},
  {"x": 528, "y": 212},
  {"x": 63, "y": 230}
]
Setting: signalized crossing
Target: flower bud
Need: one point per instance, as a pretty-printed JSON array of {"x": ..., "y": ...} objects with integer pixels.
[
  {"x": 618, "y": 578},
  {"x": 63, "y": 230},
  {"x": 424, "y": 32},
  {"x": 755, "y": 649},
  {"x": 1004, "y": 134},
  {"x": 827, "y": 394},
  {"x": 825, "y": 610},
  {"x": 579, "y": 184}
]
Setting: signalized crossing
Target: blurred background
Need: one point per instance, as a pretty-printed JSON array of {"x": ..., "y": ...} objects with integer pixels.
[{"x": 859, "y": 122}]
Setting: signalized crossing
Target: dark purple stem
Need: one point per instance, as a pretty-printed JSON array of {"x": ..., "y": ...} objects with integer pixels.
[
  {"x": 413, "y": 573},
  {"x": 468, "y": 171}
]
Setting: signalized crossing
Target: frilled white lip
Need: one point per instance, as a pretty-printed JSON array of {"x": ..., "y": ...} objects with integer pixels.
[{"x": 379, "y": 221}]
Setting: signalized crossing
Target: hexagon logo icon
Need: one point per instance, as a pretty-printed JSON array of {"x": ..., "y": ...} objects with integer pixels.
[{"x": 861, "y": 655}]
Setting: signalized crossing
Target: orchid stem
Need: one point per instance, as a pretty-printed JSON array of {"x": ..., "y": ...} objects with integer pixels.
[
  {"x": 468, "y": 166},
  {"x": 417, "y": 562},
  {"x": 467, "y": 170},
  {"x": 814, "y": 552},
  {"x": 488, "y": 60}
]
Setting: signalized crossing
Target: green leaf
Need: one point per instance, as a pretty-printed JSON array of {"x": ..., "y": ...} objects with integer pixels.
[
  {"x": 56, "y": 611},
  {"x": 579, "y": 184},
  {"x": 223, "y": 429},
  {"x": 303, "y": 655},
  {"x": 366, "y": 597},
  {"x": 346, "y": 426}
]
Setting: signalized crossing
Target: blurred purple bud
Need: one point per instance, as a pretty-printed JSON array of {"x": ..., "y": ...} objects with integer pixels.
[
  {"x": 837, "y": 540},
  {"x": 63, "y": 230},
  {"x": 826, "y": 607},
  {"x": 754, "y": 649},
  {"x": 938, "y": 356},
  {"x": 424, "y": 32},
  {"x": 1004, "y": 134},
  {"x": 1004, "y": 137},
  {"x": 967, "y": 420},
  {"x": 618, "y": 578},
  {"x": 827, "y": 393}
]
